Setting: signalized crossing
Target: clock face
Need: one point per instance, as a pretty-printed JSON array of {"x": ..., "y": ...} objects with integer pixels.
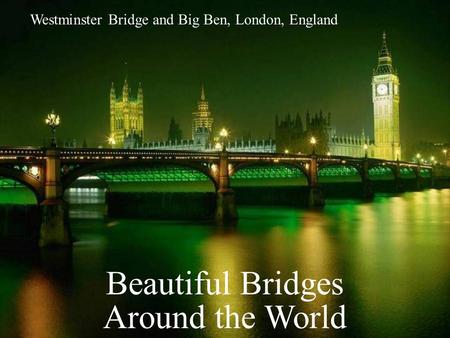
[{"x": 382, "y": 89}]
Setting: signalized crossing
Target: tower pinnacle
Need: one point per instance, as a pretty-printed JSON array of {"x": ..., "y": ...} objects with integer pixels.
[
  {"x": 384, "y": 52},
  {"x": 203, "y": 120},
  {"x": 125, "y": 90},
  {"x": 202, "y": 95},
  {"x": 140, "y": 94},
  {"x": 384, "y": 59}
]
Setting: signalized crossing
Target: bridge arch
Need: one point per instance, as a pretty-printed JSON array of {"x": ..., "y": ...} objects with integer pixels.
[
  {"x": 407, "y": 172},
  {"x": 27, "y": 180},
  {"x": 340, "y": 170},
  {"x": 425, "y": 172},
  {"x": 92, "y": 169},
  {"x": 297, "y": 168},
  {"x": 378, "y": 170}
]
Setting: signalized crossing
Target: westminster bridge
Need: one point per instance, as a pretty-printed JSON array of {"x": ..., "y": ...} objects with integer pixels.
[{"x": 48, "y": 172}]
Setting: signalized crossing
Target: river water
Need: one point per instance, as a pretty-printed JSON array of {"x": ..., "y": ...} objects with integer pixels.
[{"x": 392, "y": 255}]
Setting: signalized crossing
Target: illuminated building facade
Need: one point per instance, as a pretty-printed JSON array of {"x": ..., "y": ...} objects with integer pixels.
[
  {"x": 203, "y": 135},
  {"x": 202, "y": 122},
  {"x": 292, "y": 135},
  {"x": 126, "y": 117},
  {"x": 386, "y": 111}
]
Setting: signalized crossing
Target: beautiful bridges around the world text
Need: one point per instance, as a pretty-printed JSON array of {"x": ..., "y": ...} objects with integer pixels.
[{"x": 49, "y": 171}]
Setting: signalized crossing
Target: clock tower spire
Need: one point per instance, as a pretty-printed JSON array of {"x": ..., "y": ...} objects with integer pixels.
[{"x": 386, "y": 100}]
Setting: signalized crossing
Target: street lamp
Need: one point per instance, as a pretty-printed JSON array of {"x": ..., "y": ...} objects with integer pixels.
[
  {"x": 223, "y": 134},
  {"x": 52, "y": 120},
  {"x": 313, "y": 142},
  {"x": 366, "y": 147},
  {"x": 34, "y": 171},
  {"x": 418, "y": 157},
  {"x": 111, "y": 141},
  {"x": 286, "y": 151}
]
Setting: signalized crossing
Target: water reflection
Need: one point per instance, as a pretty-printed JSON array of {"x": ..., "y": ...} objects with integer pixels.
[
  {"x": 392, "y": 255},
  {"x": 226, "y": 252},
  {"x": 86, "y": 203},
  {"x": 40, "y": 308}
]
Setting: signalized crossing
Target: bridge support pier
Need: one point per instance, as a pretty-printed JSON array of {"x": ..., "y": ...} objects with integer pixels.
[
  {"x": 54, "y": 221},
  {"x": 367, "y": 187},
  {"x": 419, "y": 180},
  {"x": 315, "y": 198},
  {"x": 367, "y": 193},
  {"x": 398, "y": 185},
  {"x": 226, "y": 205},
  {"x": 54, "y": 226}
]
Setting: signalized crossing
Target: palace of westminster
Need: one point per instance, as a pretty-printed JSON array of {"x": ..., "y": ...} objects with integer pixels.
[{"x": 291, "y": 133}]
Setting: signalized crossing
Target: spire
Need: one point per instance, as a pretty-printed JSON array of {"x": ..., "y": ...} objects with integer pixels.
[
  {"x": 202, "y": 105},
  {"x": 125, "y": 89},
  {"x": 384, "y": 52},
  {"x": 140, "y": 94},
  {"x": 384, "y": 59},
  {"x": 298, "y": 122},
  {"x": 112, "y": 91},
  {"x": 202, "y": 95}
]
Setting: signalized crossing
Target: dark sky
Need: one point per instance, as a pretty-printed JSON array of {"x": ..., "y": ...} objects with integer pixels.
[{"x": 250, "y": 73}]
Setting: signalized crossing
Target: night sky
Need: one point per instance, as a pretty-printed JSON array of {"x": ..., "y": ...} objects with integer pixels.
[{"x": 250, "y": 73}]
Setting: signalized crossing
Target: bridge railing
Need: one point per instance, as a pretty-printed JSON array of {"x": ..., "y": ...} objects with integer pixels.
[
  {"x": 11, "y": 153},
  {"x": 8, "y": 153}
]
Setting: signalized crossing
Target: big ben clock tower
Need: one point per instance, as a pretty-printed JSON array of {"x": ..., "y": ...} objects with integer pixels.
[{"x": 386, "y": 99}]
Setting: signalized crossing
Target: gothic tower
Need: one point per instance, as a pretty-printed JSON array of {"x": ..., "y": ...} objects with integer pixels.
[
  {"x": 386, "y": 99},
  {"x": 202, "y": 122},
  {"x": 126, "y": 116}
]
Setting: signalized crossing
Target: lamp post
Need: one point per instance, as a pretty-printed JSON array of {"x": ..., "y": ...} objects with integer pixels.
[
  {"x": 366, "y": 147},
  {"x": 111, "y": 141},
  {"x": 223, "y": 134},
  {"x": 313, "y": 142},
  {"x": 418, "y": 156},
  {"x": 52, "y": 120},
  {"x": 432, "y": 160}
]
